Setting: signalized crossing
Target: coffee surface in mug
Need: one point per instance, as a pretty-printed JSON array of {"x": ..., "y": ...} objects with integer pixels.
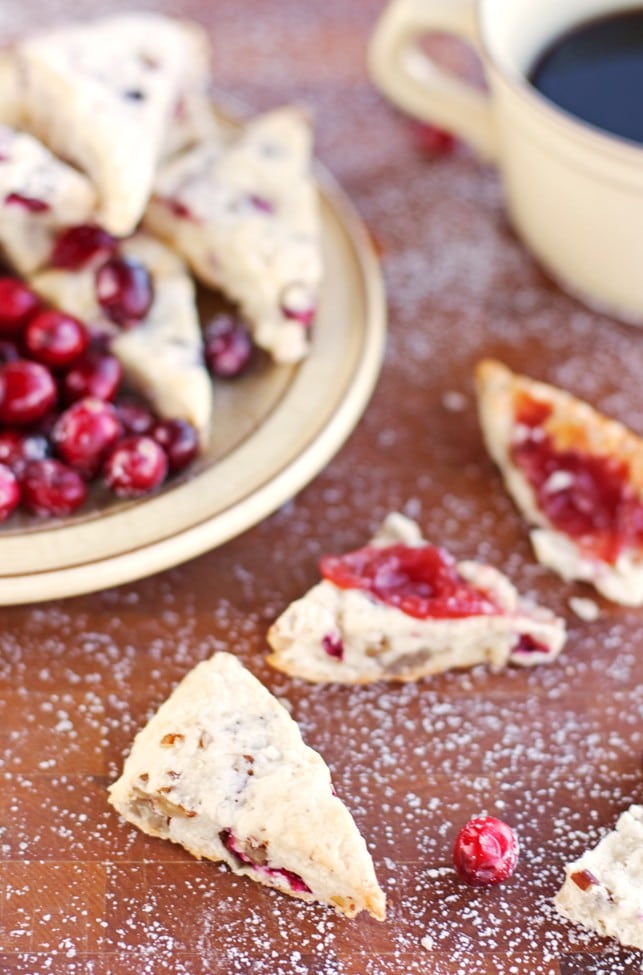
[{"x": 595, "y": 72}]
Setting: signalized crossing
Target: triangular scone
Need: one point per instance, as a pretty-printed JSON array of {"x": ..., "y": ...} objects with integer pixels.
[
  {"x": 38, "y": 193},
  {"x": 603, "y": 889},
  {"x": 162, "y": 355},
  {"x": 245, "y": 217},
  {"x": 103, "y": 94},
  {"x": 221, "y": 768},
  {"x": 575, "y": 475},
  {"x": 401, "y": 609}
]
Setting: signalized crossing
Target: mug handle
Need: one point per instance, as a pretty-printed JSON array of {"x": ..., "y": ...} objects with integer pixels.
[{"x": 410, "y": 79}]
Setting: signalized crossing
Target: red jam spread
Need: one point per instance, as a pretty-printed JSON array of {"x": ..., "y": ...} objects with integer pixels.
[
  {"x": 422, "y": 581},
  {"x": 589, "y": 498}
]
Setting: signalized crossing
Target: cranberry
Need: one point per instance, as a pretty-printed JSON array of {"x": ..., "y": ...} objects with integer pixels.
[
  {"x": 333, "y": 646},
  {"x": 84, "y": 433},
  {"x": 228, "y": 346},
  {"x": 135, "y": 417},
  {"x": 51, "y": 488},
  {"x": 124, "y": 290},
  {"x": 27, "y": 392},
  {"x": 432, "y": 140},
  {"x": 54, "y": 338},
  {"x": 77, "y": 246},
  {"x": 96, "y": 374},
  {"x": 18, "y": 448},
  {"x": 179, "y": 440},
  {"x": 17, "y": 303},
  {"x": 30, "y": 203},
  {"x": 136, "y": 466},
  {"x": 298, "y": 304},
  {"x": 485, "y": 852},
  {"x": 420, "y": 580},
  {"x": 9, "y": 492}
]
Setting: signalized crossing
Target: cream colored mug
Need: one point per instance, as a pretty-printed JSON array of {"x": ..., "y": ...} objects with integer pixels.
[{"x": 574, "y": 193}]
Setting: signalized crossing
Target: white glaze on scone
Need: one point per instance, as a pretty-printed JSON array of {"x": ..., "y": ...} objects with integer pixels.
[
  {"x": 603, "y": 889},
  {"x": 244, "y": 215},
  {"x": 103, "y": 94},
  {"x": 222, "y": 758},
  {"x": 578, "y": 426},
  {"x": 381, "y": 642},
  {"x": 162, "y": 355},
  {"x": 38, "y": 193}
]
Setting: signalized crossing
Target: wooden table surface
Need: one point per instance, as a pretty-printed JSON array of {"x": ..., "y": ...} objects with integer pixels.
[{"x": 555, "y": 751}]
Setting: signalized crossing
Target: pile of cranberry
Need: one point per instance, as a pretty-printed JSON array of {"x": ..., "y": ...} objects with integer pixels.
[{"x": 64, "y": 420}]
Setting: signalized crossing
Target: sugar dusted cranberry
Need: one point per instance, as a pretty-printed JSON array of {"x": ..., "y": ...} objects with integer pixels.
[
  {"x": 135, "y": 417},
  {"x": 124, "y": 290},
  {"x": 228, "y": 346},
  {"x": 136, "y": 466},
  {"x": 17, "y": 303},
  {"x": 18, "y": 448},
  {"x": 96, "y": 374},
  {"x": 422, "y": 581},
  {"x": 30, "y": 203},
  {"x": 84, "y": 433},
  {"x": 485, "y": 852},
  {"x": 50, "y": 488},
  {"x": 77, "y": 246},
  {"x": 9, "y": 492},
  {"x": 27, "y": 392},
  {"x": 179, "y": 440},
  {"x": 55, "y": 338}
]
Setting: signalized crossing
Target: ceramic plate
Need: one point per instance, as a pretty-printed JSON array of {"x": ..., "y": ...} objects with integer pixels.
[{"x": 274, "y": 429}]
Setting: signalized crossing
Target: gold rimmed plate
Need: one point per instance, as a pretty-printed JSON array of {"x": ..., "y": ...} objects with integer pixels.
[{"x": 274, "y": 430}]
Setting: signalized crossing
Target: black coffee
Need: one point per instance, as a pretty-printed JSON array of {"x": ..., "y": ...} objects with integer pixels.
[{"x": 595, "y": 71}]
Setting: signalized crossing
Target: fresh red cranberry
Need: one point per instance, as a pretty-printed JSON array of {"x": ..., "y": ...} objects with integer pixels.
[
  {"x": 27, "y": 392},
  {"x": 96, "y": 374},
  {"x": 485, "y": 852},
  {"x": 30, "y": 203},
  {"x": 135, "y": 417},
  {"x": 124, "y": 290},
  {"x": 9, "y": 492},
  {"x": 179, "y": 440},
  {"x": 228, "y": 346},
  {"x": 84, "y": 433},
  {"x": 50, "y": 488},
  {"x": 17, "y": 303},
  {"x": 77, "y": 246},
  {"x": 432, "y": 140},
  {"x": 54, "y": 338},
  {"x": 136, "y": 466},
  {"x": 18, "y": 448}
]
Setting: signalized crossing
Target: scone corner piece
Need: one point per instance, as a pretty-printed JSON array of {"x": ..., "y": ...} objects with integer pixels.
[
  {"x": 344, "y": 632},
  {"x": 603, "y": 889},
  {"x": 574, "y": 474},
  {"x": 222, "y": 770}
]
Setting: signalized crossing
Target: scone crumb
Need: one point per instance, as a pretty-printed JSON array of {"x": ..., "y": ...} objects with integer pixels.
[
  {"x": 586, "y": 609},
  {"x": 427, "y": 942},
  {"x": 454, "y": 401}
]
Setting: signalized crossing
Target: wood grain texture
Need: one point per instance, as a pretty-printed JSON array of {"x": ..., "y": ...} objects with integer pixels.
[{"x": 555, "y": 751}]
